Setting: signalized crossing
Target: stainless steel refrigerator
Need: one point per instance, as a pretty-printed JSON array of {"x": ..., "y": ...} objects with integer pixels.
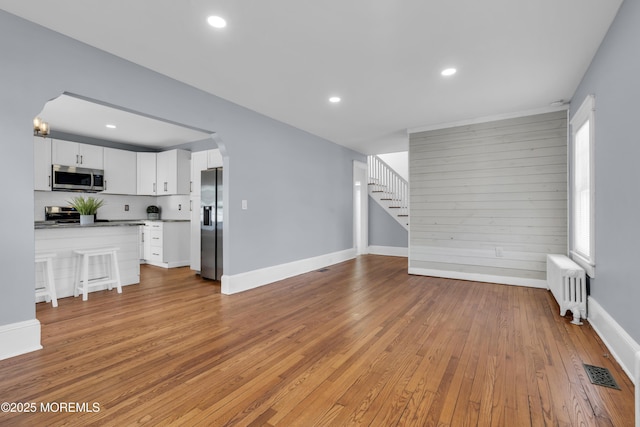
[{"x": 211, "y": 224}]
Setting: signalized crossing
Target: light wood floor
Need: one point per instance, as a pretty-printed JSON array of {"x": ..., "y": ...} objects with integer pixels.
[{"x": 362, "y": 343}]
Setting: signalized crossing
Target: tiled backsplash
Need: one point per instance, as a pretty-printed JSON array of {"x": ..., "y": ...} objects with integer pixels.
[{"x": 172, "y": 207}]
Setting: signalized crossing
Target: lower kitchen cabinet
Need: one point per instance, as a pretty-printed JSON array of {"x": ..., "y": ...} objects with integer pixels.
[{"x": 166, "y": 243}]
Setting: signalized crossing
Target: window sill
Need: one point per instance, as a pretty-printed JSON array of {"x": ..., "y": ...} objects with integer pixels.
[{"x": 583, "y": 262}]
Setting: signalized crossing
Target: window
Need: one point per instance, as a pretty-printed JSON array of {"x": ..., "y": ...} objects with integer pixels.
[{"x": 582, "y": 185}]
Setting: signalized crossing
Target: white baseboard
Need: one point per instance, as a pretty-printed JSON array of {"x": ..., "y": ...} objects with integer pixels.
[
  {"x": 232, "y": 284},
  {"x": 637, "y": 384},
  {"x": 19, "y": 338},
  {"x": 172, "y": 264},
  {"x": 623, "y": 348},
  {"x": 475, "y": 277},
  {"x": 388, "y": 251}
]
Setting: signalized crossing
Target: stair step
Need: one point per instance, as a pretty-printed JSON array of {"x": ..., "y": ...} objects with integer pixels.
[{"x": 389, "y": 190}]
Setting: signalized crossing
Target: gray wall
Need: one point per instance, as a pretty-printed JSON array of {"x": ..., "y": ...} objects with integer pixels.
[
  {"x": 383, "y": 229},
  {"x": 298, "y": 186},
  {"x": 613, "y": 79}
]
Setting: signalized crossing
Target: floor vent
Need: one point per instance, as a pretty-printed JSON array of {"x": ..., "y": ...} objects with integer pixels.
[
  {"x": 600, "y": 376},
  {"x": 322, "y": 270}
]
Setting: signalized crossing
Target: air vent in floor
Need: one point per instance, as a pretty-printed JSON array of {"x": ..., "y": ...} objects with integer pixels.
[{"x": 600, "y": 376}]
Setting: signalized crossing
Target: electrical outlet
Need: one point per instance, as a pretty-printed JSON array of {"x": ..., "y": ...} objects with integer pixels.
[
  {"x": 244, "y": 205},
  {"x": 126, "y": 208},
  {"x": 180, "y": 207},
  {"x": 499, "y": 252}
]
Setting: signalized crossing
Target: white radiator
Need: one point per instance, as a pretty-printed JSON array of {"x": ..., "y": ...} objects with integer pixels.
[{"x": 567, "y": 282}]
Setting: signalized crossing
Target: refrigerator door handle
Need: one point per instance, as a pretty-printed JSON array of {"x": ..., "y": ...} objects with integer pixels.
[{"x": 207, "y": 216}]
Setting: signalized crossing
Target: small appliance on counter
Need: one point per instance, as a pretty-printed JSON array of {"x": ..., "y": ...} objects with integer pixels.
[{"x": 153, "y": 212}]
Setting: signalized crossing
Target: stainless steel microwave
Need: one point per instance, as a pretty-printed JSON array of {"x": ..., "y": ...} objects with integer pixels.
[{"x": 71, "y": 178}]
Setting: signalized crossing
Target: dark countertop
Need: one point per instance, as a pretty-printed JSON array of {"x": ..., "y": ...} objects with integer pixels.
[
  {"x": 165, "y": 220},
  {"x": 108, "y": 223},
  {"x": 45, "y": 225}
]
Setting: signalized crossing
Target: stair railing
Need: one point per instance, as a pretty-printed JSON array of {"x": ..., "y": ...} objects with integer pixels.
[{"x": 389, "y": 186}]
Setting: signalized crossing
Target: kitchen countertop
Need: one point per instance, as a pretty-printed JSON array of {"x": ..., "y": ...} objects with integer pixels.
[
  {"x": 50, "y": 225},
  {"x": 165, "y": 220},
  {"x": 109, "y": 223}
]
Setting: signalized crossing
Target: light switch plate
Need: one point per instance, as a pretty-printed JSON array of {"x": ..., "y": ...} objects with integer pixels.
[{"x": 244, "y": 205}]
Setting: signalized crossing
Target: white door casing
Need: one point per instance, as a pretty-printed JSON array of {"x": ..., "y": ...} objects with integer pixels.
[{"x": 360, "y": 208}]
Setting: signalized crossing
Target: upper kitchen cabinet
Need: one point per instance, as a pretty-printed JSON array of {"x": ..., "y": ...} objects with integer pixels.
[
  {"x": 120, "y": 171},
  {"x": 198, "y": 164},
  {"x": 146, "y": 173},
  {"x": 164, "y": 173},
  {"x": 173, "y": 172},
  {"x": 203, "y": 160},
  {"x": 42, "y": 163},
  {"x": 214, "y": 159},
  {"x": 69, "y": 153}
]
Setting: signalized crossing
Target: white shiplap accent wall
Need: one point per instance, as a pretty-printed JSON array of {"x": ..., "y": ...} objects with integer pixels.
[{"x": 488, "y": 201}]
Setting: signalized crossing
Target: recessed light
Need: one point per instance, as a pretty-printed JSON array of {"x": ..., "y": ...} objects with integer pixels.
[
  {"x": 110, "y": 126},
  {"x": 448, "y": 72},
  {"x": 335, "y": 99},
  {"x": 217, "y": 21}
]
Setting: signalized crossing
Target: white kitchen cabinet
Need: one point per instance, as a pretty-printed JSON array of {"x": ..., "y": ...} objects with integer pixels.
[
  {"x": 146, "y": 173},
  {"x": 173, "y": 172},
  {"x": 198, "y": 164},
  {"x": 141, "y": 241},
  {"x": 146, "y": 241},
  {"x": 203, "y": 160},
  {"x": 195, "y": 233},
  {"x": 166, "y": 243},
  {"x": 214, "y": 159},
  {"x": 164, "y": 173},
  {"x": 42, "y": 163},
  {"x": 70, "y": 153},
  {"x": 120, "y": 171}
]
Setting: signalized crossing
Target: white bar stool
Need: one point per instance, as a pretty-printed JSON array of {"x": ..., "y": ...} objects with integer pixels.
[
  {"x": 82, "y": 281},
  {"x": 49, "y": 289}
]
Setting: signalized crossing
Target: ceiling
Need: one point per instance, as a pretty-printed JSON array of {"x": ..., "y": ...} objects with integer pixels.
[
  {"x": 78, "y": 116},
  {"x": 285, "y": 58}
]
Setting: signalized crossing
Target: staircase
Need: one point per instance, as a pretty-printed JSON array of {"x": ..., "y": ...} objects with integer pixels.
[{"x": 389, "y": 189}]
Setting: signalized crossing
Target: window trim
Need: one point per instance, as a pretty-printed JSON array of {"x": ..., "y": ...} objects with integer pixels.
[{"x": 585, "y": 113}]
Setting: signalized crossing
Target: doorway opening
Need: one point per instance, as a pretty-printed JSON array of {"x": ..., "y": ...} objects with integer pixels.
[{"x": 360, "y": 208}]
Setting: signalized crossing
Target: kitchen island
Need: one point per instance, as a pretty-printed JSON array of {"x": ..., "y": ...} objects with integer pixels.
[{"x": 63, "y": 239}]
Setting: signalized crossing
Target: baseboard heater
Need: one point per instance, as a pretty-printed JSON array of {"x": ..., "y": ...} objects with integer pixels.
[{"x": 568, "y": 284}]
